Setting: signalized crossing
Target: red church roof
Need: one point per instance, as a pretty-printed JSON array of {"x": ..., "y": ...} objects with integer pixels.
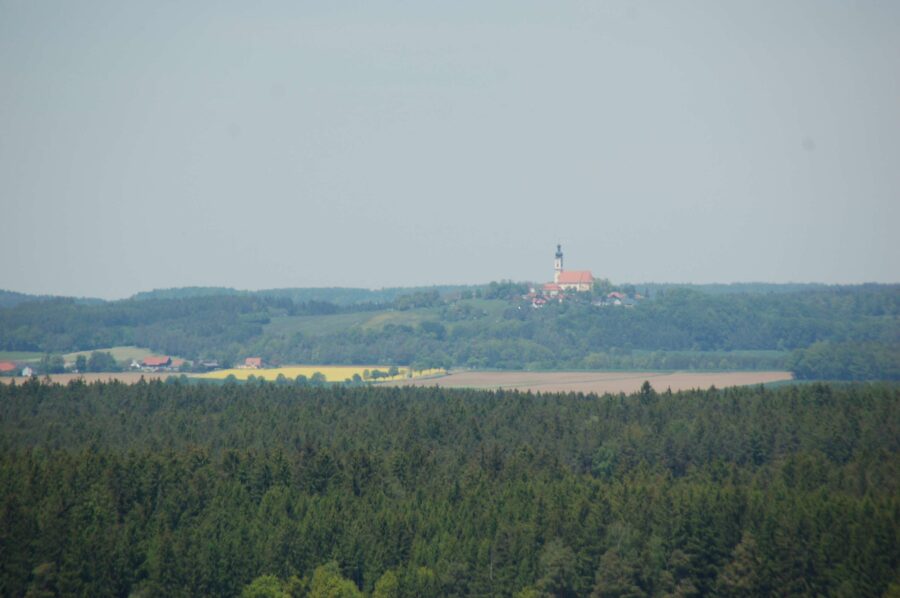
[{"x": 575, "y": 277}]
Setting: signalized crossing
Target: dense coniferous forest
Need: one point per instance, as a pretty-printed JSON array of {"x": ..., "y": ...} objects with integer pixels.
[
  {"x": 270, "y": 490},
  {"x": 817, "y": 331}
]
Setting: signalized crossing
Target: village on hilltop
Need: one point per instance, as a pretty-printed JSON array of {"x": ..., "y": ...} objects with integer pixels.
[{"x": 566, "y": 282}]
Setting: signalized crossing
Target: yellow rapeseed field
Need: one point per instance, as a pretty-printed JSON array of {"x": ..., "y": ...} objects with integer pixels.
[{"x": 332, "y": 373}]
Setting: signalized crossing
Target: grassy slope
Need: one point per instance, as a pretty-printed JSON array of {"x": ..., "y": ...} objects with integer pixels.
[
  {"x": 317, "y": 325},
  {"x": 410, "y": 317},
  {"x": 369, "y": 320},
  {"x": 20, "y": 356},
  {"x": 118, "y": 353}
]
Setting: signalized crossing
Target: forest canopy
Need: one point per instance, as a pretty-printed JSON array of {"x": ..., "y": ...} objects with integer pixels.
[{"x": 187, "y": 490}]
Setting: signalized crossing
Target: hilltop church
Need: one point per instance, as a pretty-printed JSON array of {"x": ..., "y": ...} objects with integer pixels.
[{"x": 580, "y": 281}]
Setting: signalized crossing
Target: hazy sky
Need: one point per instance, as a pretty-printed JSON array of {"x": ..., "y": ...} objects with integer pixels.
[{"x": 283, "y": 144}]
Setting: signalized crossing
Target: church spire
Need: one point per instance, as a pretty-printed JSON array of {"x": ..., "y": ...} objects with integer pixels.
[{"x": 558, "y": 264}]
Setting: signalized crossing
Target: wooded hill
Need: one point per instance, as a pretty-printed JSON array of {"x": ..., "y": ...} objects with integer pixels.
[
  {"x": 192, "y": 490},
  {"x": 819, "y": 332}
]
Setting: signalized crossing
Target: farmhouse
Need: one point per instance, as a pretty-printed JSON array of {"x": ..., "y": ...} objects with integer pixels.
[
  {"x": 155, "y": 363},
  {"x": 252, "y": 363},
  {"x": 7, "y": 366}
]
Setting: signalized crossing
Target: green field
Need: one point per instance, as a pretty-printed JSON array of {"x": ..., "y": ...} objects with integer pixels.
[
  {"x": 371, "y": 320},
  {"x": 410, "y": 317},
  {"x": 118, "y": 353},
  {"x": 316, "y": 325},
  {"x": 337, "y": 323},
  {"x": 20, "y": 356}
]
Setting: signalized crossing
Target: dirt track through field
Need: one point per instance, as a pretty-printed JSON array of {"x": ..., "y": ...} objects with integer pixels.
[{"x": 597, "y": 382}]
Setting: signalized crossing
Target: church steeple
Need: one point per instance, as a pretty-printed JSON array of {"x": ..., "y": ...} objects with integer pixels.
[{"x": 558, "y": 264}]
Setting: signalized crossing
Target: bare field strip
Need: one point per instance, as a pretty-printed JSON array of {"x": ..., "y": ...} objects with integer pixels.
[
  {"x": 126, "y": 377},
  {"x": 596, "y": 382},
  {"x": 586, "y": 382}
]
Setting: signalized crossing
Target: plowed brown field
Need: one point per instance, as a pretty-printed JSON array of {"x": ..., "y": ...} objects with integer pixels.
[{"x": 596, "y": 382}]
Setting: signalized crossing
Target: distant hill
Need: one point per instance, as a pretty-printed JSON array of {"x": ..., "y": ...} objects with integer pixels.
[
  {"x": 732, "y": 288},
  {"x": 341, "y": 296},
  {"x": 186, "y": 293},
  {"x": 350, "y": 296},
  {"x": 13, "y": 298},
  {"x": 677, "y": 327}
]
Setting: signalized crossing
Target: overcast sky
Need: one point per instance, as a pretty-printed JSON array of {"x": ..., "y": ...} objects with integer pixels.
[{"x": 287, "y": 144}]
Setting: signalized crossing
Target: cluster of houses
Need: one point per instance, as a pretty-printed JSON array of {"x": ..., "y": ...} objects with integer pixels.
[
  {"x": 617, "y": 299},
  {"x": 566, "y": 282},
  {"x": 251, "y": 363},
  {"x": 164, "y": 363},
  {"x": 149, "y": 364},
  {"x": 157, "y": 363},
  {"x": 10, "y": 368}
]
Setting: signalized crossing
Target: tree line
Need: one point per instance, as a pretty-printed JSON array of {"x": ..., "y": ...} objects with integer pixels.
[{"x": 272, "y": 490}]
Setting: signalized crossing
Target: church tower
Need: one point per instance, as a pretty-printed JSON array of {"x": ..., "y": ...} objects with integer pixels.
[{"x": 557, "y": 264}]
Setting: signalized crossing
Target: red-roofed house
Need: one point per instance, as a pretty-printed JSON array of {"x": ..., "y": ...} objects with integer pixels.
[
  {"x": 7, "y": 366},
  {"x": 551, "y": 289},
  {"x": 253, "y": 363},
  {"x": 156, "y": 362}
]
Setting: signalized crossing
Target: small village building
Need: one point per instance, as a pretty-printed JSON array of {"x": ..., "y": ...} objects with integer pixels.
[
  {"x": 156, "y": 362},
  {"x": 551, "y": 289},
  {"x": 27, "y": 372},
  {"x": 253, "y": 363},
  {"x": 7, "y": 367}
]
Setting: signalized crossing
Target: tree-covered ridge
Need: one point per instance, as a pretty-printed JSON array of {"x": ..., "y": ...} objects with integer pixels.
[
  {"x": 675, "y": 329},
  {"x": 341, "y": 296},
  {"x": 12, "y": 298},
  {"x": 580, "y": 335},
  {"x": 191, "y": 325},
  {"x": 173, "y": 489}
]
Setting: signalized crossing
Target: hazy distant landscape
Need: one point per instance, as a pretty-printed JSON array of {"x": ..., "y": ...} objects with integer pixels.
[
  {"x": 472, "y": 440},
  {"x": 815, "y": 332},
  {"x": 584, "y": 298}
]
